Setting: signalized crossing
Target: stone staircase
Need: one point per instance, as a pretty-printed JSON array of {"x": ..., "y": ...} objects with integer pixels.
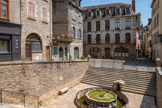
[{"x": 136, "y": 81}]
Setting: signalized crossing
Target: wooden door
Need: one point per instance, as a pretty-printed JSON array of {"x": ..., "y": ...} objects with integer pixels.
[
  {"x": 28, "y": 52},
  {"x": 76, "y": 53},
  {"x": 61, "y": 54},
  {"x": 107, "y": 53},
  {"x": 47, "y": 52}
]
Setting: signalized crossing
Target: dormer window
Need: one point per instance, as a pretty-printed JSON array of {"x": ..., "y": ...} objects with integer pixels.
[
  {"x": 90, "y": 14},
  {"x": 127, "y": 10},
  {"x": 107, "y": 12},
  {"x": 118, "y": 11},
  {"x": 98, "y": 13}
]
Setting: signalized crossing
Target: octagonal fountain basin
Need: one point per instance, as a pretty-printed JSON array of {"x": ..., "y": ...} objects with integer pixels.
[{"x": 100, "y": 98}]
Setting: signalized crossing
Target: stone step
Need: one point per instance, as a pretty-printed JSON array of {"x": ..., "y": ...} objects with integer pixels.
[
  {"x": 105, "y": 77},
  {"x": 143, "y": 85},
  {"x": 136, "y": 81}
]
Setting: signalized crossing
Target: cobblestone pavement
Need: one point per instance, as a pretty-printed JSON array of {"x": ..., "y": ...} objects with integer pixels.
[{"x": 67, "y": 100}]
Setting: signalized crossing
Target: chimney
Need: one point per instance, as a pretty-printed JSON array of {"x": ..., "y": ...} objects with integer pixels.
[{"x": 134, "y": 5}]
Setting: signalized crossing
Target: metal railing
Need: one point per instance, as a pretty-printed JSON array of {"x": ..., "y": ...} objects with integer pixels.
[
  {"x": 138, "y": 65},
  {"x": 14, "y": 98}
]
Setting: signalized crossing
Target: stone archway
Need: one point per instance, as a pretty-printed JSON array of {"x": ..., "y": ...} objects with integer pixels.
[{"x": 121, "y": 52}]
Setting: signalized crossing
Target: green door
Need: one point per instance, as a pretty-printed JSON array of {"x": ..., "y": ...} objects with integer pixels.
[
  {"x": 76, "y": 53},
  {"x": 61, "y": 54}
]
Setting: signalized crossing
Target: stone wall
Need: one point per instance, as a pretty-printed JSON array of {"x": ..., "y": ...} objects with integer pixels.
[
  {"x": 42, "y": 79},
  {"x": 159, "y": 83},
  {"x": 36, "y": 26}
]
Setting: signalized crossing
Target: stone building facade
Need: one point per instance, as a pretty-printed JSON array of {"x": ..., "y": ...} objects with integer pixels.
[
  {"x": 36, "y": 30},
  {"x": 111, "y": 30},
  {"x": 10, "y": 30},
  {"x": 67, "y": 30},
  {"x": 147, "y": 51},
  {"x": 156, "y": 28}
]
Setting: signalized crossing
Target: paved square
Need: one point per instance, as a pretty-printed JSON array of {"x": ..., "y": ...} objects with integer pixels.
[{"x": 67, "y": 100}]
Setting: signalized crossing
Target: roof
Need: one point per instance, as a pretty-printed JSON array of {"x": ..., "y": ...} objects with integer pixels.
[{"x": 105, "y": 6}]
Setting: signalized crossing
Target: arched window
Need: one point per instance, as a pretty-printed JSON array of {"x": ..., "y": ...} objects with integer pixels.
[
  {"x": 76, "y": 53},
  {"x": 107, "y": 39},
  {"x": 117, "y": 38},
  {"x": 33, "y": 43},
  {"x": 60, "y": 53},
  {"x": 98, "y": 39},
  {"x": 89, "y": 39},
  {"x": 127, "y": 38}
]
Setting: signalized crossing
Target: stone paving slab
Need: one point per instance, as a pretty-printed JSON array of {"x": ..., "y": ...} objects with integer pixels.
[{"x": 67, "y": 100}]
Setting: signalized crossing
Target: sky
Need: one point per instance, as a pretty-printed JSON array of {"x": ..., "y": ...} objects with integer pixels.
[{"x": 142, "y": 6}]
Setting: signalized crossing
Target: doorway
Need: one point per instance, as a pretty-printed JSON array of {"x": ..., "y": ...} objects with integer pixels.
[
  {"x": 61, "y": 54},
  {"x": 28, "y": 51},
  {"x": 107, "y": 53},
  {"x": 47, "y": 52},
  {"x": 76, "y": 53}
]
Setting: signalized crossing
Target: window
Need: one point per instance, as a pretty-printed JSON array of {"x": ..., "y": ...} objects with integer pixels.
[
  {"x": 4, "y": 46},
  {"x": 89, "y": 14},
  {"x": 79, "y": 34},
  {"x": 107, "y": 12},
  {"x": 55, "y": 51},
  {"x": 117, "y": 24},
  {"x": 31, "y": 10},
  {"x": 117, "y": 38},
  {"x": 73, "y": 32},
  {"x": 128, "y": 23},
  {"x": 118, "y": 11},
  {"x": 127, "y": 10},
  {"x": 89, "y": 27},
  {"x": 44, "y": 15},
  {"x": 98, "y": 39},
  {"x": 127, "y": 38},
  {"x": 157, "y": 19},
  {"x": 4, "y": 9},
  {"x": 89, "y": 39},
  {"x": 107, "y": 39},
  {"x": 107, "y": 25},
  {"x": 97, "y": 25},
  {"x": 98, "y": 13}
]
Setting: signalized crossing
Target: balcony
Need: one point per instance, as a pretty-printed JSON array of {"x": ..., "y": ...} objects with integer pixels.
[{"x": 62, "y": 39}]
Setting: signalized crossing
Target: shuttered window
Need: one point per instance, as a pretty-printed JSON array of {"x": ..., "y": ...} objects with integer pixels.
[
  {"x": 31, "y": 10},
  {"x": 44, "y": 15}
]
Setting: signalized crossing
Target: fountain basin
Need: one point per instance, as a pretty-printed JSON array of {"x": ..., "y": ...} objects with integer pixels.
[{"x": 101, "y": 98}]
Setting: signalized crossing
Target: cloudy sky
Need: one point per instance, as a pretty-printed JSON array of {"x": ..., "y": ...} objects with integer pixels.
[{"x": 142, "y": 6}]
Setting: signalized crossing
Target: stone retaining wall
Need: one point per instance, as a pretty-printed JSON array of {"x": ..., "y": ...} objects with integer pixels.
[
  {"x": 159, "y": 83},
  {"x": 42, "y": 79}
]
